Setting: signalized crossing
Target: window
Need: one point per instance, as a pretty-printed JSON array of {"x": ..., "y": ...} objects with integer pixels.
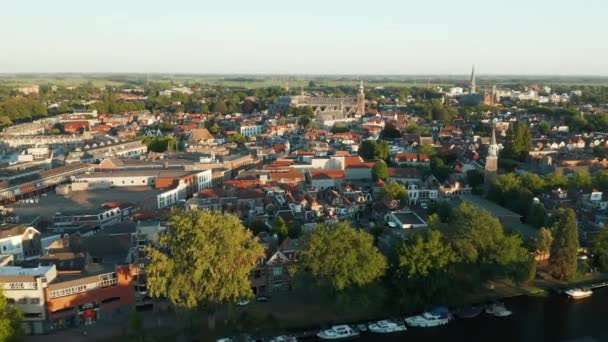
[
  {"x": 22, "y": 301},
  {"x": 277, "y": 271},
  {"x": 32, "y": 315},
  {"x": 34, "y": 300}
]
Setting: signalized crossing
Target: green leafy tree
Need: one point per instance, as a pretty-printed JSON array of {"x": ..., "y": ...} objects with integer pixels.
[
  {"x": 367, "y": 149},
  {"x": 599, "y": 249},
  {"x": 395, "y": 190},
  {"x": 390, "y": 132},
  {"x": 427, "y": 149},
  {"x": 556, "y": 180},
  {"x": 339, "y": 128},
  {"x": 280, "y": 228},
  {"x": 537, "y": 217},
  {"x": 518, "y": 142},
  {"x": 581, "y": 179},
  {"x": 204, "y": 258},
  {"x": 237, "y": 138},
  {"x": 10, "y": 321},
  {"x": 532, "y": 182},
  {"x": 544, "y": 240},
  {"x": 341, "y": 257},
  {"x": 475, "y": 178},
  {"x": 480, "y": 242},
  {"x": 564, "y": 249},
  {"x": 380, "y": 170},
  {"x": 219, "y": 107},
  {"x": 382, "y": 150},
  {"x": 423, "y": 272}
]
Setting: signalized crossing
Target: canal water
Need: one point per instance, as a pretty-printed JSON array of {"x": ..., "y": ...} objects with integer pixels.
[{"x": 554, "y": 318}]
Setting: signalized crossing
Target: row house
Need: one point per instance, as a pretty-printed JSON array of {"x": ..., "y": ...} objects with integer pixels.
[{"x": 273, "y": 274}]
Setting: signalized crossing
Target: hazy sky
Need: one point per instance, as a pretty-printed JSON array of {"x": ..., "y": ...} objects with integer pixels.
[{"x": 306, "y": 36}]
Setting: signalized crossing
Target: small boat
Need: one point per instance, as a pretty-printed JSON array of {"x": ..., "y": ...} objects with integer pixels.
[
  {"x": 469, "y": 312},
  {"x": 338, "y": 332},
  {"x": 284, "y": 338},
  {"x": 361, "y": 327},
  {"x": 579, "y": 293},
  {"x": 434, "y": 318},
  {"x": 386, "y": 326},
  {"x": 498, "y": 310}
]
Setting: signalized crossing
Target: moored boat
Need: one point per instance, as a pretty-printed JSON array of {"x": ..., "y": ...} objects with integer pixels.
[
  {"x": 579, "y": 293},
  {"x": 386, "y": 326},
  {"x": 469, "y": 312},
  {"x": 498, "y": 310},
  {"x": 338, "y": 332},
  {"x": 434, "y": 318}
]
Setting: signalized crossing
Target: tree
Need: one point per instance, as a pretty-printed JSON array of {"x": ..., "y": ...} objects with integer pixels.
[
  {"x": 423, "y": 268},
  {"x": 481, "y": 243},
  {"x": 382, "y": 150},
  {"x": 215, "y": 129},
  {"x": 219, "y": 107},
  {"x": 564, "y": 249},
  {"x": 341, "y": 257},
  {"x": 532, "y": 182},
  {"x": 237, "y": 138},
  {"x": 544, "y": 240},
  {"x": 475, "y": 178},
  {"x": 204, "y": 258},
  {"x": 367, "y": 149},
  {"x": 556, "y": 180},
  {"x": 339, "y": 128},
  {"x": 390, "y": 132},
  {"x": 599, "y": 249},
  {"x": 518, "y": 142},
  {"x": 427, "y": 149},
  {"x": 395, "y": 190},
  {"x": 380, "y": 170},
  {"x": 581, "y": 179},
  {"x": 537, "y": 216},
  {"x": 280, "y": 228},
  {"x": 10, "y": 321}
]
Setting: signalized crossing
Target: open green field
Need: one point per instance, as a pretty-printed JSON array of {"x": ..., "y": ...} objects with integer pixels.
[{"x": 293, "y": 81}]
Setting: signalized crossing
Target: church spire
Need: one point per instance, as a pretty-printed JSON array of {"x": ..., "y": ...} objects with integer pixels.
[
  {"x": 493, "y": 149},
  {"x": 361, "y": 90},
  {"x": 472, "y": 89}
]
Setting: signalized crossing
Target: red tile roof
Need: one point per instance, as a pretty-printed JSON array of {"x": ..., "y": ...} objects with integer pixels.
[{"x": 327, "y": 174}]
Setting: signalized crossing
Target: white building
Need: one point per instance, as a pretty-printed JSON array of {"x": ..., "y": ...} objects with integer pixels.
[
  {"x": 252, "y": 130},
  {"x": 25, "y": 288},
  {"x": 20, "y": 241}
]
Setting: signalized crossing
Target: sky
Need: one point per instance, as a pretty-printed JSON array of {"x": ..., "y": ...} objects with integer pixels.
[{"x": 523, "y": 37}]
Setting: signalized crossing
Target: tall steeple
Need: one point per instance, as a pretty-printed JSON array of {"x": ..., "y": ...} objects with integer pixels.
[
  {"x": 361, "y": 100},
  {"x": 493, "y": 148},
  {"x": 491, "y": 161},
  {"x": 472, "y": 87}
]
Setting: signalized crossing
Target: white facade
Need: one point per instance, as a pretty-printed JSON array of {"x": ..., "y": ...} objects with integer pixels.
[
  {"x": 204, "y": 180},
  {"x": 13, "y": 245},
  {"x": 252, "y": 130},
  {"x": 25, "y": 288}
]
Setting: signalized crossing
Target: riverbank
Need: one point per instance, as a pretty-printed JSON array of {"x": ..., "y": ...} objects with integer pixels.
[{"x": 295, "y": 311}]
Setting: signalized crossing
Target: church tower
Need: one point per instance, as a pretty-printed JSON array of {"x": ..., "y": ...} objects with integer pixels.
[
  {"x": 491, "y": 160},
  {"x": 361, "y": 100},
  {"x": 472, "y": 86}
]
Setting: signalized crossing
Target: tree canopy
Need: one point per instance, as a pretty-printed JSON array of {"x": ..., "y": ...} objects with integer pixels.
[
  {"x": 395, "y": 190},
  {"x": 10, "y": 321},
  {"x": 599, "y": 248},
  {"x": 380, "y": 170},
  {"x": 564, "y": 248},
  {"x": 203, "y": 258},
  {"x": 518, "y": 142},
  {"x": 338, "y": 256}
]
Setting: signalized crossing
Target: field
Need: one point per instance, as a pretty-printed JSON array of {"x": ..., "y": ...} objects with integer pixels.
[{"x": 293, "y": 81}]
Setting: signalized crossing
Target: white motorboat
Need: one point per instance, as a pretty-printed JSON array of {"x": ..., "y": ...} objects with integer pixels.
[
  {"x": 498, "y": 310},
  {"x": 337, "y": 332},
  {"x": 579, "y": 293},
  {"x": 386, "y": 326},
  {"x": 284, "y": 338},
  {"x": 427, "y": 319}
]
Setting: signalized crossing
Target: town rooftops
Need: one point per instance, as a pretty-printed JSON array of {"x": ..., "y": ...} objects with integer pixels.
[
  {"x": 7, "y": 231},
  {"x": 327, "y": 174}
]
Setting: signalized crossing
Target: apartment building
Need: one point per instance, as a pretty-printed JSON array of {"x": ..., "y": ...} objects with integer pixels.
[{"x": 25, "y": 288}]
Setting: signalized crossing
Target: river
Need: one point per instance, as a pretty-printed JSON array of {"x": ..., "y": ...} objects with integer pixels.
[{"x": 554, "y": 318}]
